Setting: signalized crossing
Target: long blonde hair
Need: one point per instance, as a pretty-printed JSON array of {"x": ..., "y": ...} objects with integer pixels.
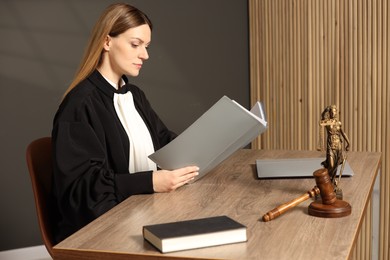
[{"x": 116, "y": 19}]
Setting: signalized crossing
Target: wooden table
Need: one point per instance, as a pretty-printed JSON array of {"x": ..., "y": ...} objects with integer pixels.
[{"x": 232, "y": 189}]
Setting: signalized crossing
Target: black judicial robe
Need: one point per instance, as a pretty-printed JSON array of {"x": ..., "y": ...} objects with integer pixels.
[{"x": 91, "y": 152}]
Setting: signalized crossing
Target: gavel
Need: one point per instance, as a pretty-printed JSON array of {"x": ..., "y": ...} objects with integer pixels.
[{"x": 329, "y": 207}]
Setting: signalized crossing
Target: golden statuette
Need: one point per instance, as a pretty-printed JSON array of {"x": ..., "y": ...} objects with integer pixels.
[{"x": 337, "y": 144}]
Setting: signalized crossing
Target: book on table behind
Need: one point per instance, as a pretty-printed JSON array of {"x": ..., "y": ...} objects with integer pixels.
[
  {"x": 195, "y": 233},
  {"x": 218, "y": 133}
]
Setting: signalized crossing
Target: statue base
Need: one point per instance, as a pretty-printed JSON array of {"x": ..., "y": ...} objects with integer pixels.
[
  {"x": 338, "y": 209},
  {"x": 339, "y": 193}
]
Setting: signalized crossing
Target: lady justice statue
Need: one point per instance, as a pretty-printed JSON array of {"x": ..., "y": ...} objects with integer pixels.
[{"x": 334, "y": 145}]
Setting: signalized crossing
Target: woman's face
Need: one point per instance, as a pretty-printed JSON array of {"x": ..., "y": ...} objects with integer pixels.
[{"x": 127, "y": 51}]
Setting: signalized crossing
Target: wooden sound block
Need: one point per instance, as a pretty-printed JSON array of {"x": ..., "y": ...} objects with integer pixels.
[{"x": 338, "y": 209}]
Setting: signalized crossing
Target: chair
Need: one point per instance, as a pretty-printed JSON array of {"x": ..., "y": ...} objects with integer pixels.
[{"x": 39, "y": 164}]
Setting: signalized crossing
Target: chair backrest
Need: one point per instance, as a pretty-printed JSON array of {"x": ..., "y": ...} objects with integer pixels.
[{"x": 39, "y": 164}]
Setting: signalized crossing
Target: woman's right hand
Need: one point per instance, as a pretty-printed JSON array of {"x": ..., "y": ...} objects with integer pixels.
[{"x": 167, "y": 181}]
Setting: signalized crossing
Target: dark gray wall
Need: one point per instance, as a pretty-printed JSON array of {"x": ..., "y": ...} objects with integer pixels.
[{"x": 199, "y": 52}]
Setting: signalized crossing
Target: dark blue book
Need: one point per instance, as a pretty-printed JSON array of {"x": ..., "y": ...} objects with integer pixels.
[{"x": 196, "y": 233}]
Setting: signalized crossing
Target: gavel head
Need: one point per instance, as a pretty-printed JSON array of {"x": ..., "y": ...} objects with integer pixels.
[{"x": 325, "y": 186}]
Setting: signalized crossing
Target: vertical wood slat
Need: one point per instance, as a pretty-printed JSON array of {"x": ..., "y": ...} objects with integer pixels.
[{"x": 307, "y": 54}]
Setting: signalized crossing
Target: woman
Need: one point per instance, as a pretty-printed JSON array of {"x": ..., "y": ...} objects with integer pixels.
[{"x": 105, "y": 128}]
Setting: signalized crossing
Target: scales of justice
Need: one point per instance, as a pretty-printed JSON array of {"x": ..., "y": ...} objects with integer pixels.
[{"x": 328, "y": 195}]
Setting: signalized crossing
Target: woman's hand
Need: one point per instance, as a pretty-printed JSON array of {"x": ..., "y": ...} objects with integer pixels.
[{"x": 166, "y": 181}]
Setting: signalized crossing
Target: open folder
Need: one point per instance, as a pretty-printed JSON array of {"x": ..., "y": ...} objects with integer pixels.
[{"x": 219, "y": 132}]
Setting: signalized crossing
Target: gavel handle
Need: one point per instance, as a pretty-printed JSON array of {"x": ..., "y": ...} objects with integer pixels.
[{"x": 276, "y": 212}]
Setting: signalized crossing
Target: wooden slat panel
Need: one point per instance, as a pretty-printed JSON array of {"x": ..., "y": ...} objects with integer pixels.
[{"x": 307, "y": 54}]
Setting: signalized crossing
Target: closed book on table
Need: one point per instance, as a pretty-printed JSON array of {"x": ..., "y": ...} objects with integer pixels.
[{"x": 196, "y": 233}]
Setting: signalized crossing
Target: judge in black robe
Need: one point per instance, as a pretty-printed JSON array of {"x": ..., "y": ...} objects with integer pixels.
[
  {"x": 91, "y": 152},
  {"x": 105, "y": 128}
]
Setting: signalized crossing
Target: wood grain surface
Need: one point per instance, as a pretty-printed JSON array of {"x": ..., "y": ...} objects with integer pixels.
[{"x": 232, "y": 189}]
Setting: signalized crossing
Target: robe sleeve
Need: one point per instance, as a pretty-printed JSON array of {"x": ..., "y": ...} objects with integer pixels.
[{"x": 85, "y": 186}]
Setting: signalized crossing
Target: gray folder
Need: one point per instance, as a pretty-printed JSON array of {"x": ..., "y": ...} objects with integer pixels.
[
  {"x": 218, "y": 133},
  {"x": 293, "y": 168}
]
